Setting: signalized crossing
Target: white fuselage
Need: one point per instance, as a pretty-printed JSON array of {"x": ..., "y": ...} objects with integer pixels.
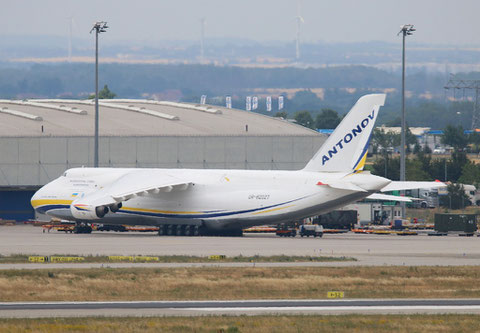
[{"x": 217, "y": 199}]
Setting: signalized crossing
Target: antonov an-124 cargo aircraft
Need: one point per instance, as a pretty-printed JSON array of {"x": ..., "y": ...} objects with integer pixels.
[{"x": 200, "y": 201}]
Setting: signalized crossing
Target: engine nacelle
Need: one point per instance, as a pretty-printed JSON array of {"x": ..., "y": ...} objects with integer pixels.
[
  {"x": 86, "y": 212},
  {"x": 115, "y": 207},
  {"x": 101, "y": 211}
]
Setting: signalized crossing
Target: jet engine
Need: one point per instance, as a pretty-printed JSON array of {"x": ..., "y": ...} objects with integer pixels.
[
  {"x": 115, "y": 207},
  {"x": 86, "y": 212}
]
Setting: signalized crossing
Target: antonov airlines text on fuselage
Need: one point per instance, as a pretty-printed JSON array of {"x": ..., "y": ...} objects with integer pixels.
[{"x": 224, "y": 200}]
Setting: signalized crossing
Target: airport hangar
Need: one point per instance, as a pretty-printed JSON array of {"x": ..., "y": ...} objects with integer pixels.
[{"x": 40, "y": 139}]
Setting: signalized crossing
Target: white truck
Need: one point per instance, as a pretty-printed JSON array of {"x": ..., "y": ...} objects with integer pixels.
[
  {"x": 473, "y": 194},
  {"x": 308, "y": 230},
  {"x": 471, "y": 191},
  {"x": 427, "y": 198}
]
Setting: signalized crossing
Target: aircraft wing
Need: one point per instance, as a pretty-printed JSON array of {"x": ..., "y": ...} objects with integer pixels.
[
  {"x": 379, "y": 196},
  {"x": 145, "y": 182},
  {"x": 132, "y": 184},
  {"x": 396, "y": 186}
]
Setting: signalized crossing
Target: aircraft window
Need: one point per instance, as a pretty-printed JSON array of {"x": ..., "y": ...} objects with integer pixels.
[{"x": 64, "y": 174}]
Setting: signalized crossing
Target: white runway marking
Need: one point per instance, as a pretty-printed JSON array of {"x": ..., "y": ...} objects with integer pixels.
[{"x": 342, "y": 308}]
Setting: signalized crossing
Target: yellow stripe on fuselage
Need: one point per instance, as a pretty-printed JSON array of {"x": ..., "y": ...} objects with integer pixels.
[
  {"x": 272, "y": 210},
  {"x": 44, "y": 202}
]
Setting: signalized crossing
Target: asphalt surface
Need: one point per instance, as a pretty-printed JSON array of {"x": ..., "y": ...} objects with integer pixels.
[
  {"x": 370, "y": 250},
  {"x": 249, "y": 307}
]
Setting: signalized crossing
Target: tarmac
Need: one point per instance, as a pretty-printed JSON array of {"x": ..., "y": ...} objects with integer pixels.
[{"x": 369, "y": 250}]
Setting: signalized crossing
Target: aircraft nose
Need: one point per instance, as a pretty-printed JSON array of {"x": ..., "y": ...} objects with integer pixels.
[
  {"x": 38, "y": 199},
  {"x": 34, "y": 201}
]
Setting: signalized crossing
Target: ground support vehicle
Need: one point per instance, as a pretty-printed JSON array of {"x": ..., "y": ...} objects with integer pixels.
[
  {"x": 285, "y": 231},
  {"x": 308, "y": 230}
]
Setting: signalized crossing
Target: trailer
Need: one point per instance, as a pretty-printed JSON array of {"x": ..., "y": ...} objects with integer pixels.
[
  {"x": 337, "y": 220},
  {"x": 458, "y": 223},
  {"x": 286, "y": 231}
]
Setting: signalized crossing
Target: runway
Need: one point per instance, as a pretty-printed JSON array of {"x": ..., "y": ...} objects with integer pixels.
[
  {"x": 369, "y": 250},
  {"x": 247, "y": 307}
]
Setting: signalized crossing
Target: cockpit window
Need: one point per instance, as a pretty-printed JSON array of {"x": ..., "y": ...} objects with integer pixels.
[{"x": 64, "y": 174}]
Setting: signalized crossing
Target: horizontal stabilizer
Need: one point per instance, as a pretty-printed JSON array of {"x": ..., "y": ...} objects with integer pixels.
[
  {"x": 343, "y": 185},
  {"x": 386, "y": 197},
  {"x": 411, "y": 185}
]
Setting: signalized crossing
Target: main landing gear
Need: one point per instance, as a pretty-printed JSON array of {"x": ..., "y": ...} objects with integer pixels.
[
  {"x": 194, "y": 230},
  {"x": 178, "y": 230}
]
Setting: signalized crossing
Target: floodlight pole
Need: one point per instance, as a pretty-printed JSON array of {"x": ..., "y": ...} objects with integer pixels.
[
  {"x": 98, "y": 27},
  {"x": 406, "y": 30}
]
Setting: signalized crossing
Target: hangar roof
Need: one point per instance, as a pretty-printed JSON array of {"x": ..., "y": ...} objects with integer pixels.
[{"x": 121, "y": 117}]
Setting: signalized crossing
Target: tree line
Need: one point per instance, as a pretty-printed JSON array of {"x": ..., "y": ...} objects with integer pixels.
[{"x": 341, "y": 87}]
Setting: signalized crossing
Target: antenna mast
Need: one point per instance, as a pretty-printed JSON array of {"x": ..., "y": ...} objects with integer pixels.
[{"x": 474, "y": 85}]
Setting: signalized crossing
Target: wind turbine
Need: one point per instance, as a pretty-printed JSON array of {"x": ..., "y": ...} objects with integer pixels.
[
  {"x": 299, "y": 20},
  {"x": 203, "y": 23},
  {"x": 70, "y": 34}
]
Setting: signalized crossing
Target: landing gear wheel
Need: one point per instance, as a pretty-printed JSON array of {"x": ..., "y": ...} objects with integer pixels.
[
  {"x": 179, "y": 231},
  {"x": 82, "y": 229},
  {"x": 196, "y": 230},
  {"x": 161, "y": 230}
]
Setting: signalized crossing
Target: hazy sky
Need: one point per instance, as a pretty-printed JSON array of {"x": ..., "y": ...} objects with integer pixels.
[{"x": 437, "y": 21}]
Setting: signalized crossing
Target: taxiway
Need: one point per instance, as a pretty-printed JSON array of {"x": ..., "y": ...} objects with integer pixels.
[
  {"x": 375, "y": 250},
  {"x": 246, "y": 307}
]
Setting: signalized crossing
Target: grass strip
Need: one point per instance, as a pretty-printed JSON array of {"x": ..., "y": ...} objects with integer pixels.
[
  {"x": 225, "y": 324},
  {"x": 235, "y": 283},
  {"x": 24, "y": 258}
]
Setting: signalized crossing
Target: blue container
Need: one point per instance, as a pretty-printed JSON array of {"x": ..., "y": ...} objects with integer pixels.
[
  {"x": 15, "y": 205},
  {"x": 397, "y": 224}
]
